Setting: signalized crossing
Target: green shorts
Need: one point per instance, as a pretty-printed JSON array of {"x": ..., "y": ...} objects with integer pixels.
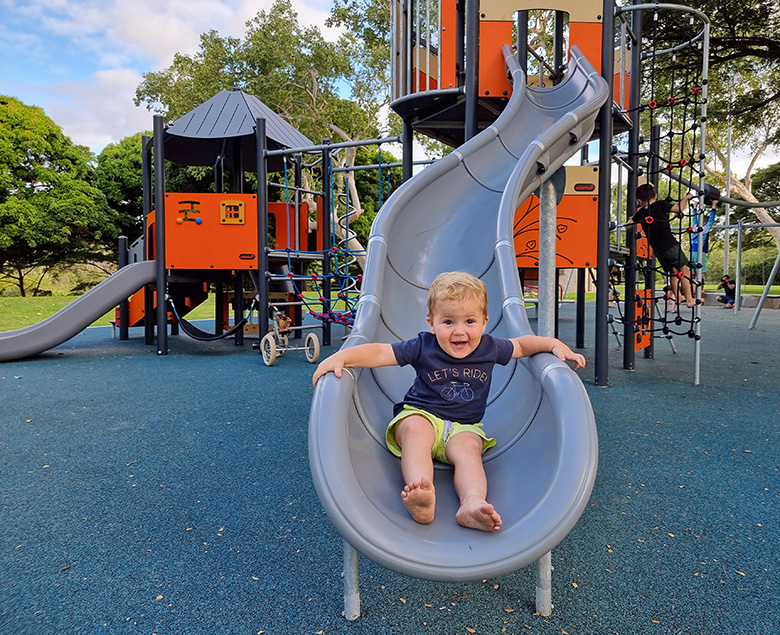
[
  {"x": 674, "y": 257},
  {"x": 444, "y": 430}
]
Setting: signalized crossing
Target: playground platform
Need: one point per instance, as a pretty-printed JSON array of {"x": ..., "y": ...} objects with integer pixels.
[{"x": 146, "y": 494}]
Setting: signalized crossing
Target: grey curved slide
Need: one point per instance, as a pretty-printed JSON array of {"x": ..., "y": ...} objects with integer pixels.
[
  {"x": 77, "y": 315},
  {"x": 458, "y": 214}
]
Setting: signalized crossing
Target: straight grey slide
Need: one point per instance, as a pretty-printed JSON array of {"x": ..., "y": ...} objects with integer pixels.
[
  {"x": 77, "y": 315},
  {"x": 458, "y": 214}
]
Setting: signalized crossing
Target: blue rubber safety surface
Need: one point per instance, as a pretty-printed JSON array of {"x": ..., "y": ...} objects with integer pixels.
[{"x": 146, "y": 494}]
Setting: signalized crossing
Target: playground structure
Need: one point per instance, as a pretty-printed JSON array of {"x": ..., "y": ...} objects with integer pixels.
[
  {"x": 513, "y": 136},
  {"x": 513, "y": 139},
  {"x": 221, "y": 240}
]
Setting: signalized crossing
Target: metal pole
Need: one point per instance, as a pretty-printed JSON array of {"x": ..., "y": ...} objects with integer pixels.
[
  {"x": 544, "y": 584},
  {"x": 238, "y": 306},
  {"x": 159, "y": 240},
  {"x": 460, "y": 38},
  {"x": 298, "y": 267},
  {"x": 558, "y": 46},
  {"x": 238, "y": 167},
  {"x": 395, "y": 28},
  {"x": 579, "y": 340},
  {"x": 262, "y": 228},
  {"x": 332, "y": 146},
  {"x": 652, "y": 166},
  {"x": 522, "y": 40},
  {"x": 326, "y": 233},
  {"x": 702, "y": 150},
  {"x": 738, "y": 271},
  {"x": 124, "y": 307},
  {"x": 408, "y": 56},
  {"x": 629, "y": 331},
  {"x": 601, "y": 376},
  {"x": 765, "y": 293},
  {"x": 471, "y": 123},
  {"x": 728, "y": 180},
  {"x": 407, "y": 150},
  {"x": 146, "y": 171},
  {"x": 147, "y": 186},
  {"x": 548, "y": 220},
  {"x": 351, "y": 582}
]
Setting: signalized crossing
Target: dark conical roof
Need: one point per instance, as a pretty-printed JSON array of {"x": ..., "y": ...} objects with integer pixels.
[{"x": 224, "y": 123}]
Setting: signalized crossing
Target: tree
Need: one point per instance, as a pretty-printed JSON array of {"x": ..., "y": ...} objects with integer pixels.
[
  {"x": 743, "y": 87},
  {"x": 119, "y": 175},
  {"x": 50, "y": 212},
  {"x": 293, "y": 70},
  {"x": 367, "y": 187}
]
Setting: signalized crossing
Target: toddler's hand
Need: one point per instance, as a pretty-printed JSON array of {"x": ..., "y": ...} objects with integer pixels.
[
  {"x": 564, "y": 353},
  {"x": 332, "y": 363}
]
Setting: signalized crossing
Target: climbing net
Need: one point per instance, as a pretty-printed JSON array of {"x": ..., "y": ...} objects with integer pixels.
[
  {"x": 315, "y": 290},
  {"x": 674, "y": 111}
]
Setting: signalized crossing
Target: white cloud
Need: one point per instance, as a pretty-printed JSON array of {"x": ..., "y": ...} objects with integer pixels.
[
  {"x": 104, "y": 46},
  {"x": 99, "y": 112}
]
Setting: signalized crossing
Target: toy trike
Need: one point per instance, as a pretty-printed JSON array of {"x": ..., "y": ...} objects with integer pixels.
[{"x": 277, "y": 340}]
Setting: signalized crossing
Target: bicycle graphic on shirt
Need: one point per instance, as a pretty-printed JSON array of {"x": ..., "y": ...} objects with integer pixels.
[{"x": 457, "y": 389}]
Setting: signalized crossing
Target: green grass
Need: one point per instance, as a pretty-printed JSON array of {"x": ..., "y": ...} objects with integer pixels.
[{"x": 17, "y": 312}]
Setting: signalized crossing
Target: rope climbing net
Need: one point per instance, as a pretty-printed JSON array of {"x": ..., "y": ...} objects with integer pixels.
[{"x": 673, "y": 110}]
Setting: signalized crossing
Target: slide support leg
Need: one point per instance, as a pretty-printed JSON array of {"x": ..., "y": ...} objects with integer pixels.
[
  {"x": 351, "y": 583},
  {"x": 544, "y": 584}
]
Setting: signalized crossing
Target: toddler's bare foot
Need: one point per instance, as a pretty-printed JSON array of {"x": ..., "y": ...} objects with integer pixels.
[
  {"x": 419, "y": 498},
  {"x": 690, "y": 304},
  {"x": 478, "y": 514}
]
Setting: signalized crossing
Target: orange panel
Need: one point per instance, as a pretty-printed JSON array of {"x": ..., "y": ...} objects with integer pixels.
[
  {"x": 643, "y": 247},
  {"x": 320, "y": 220},
  {"x": 421, "y": 80},
  {"x": 577, "y": 223},
  {"x": 492, "y": 69},
  {"x": 137, "y": 311},
  {"x": 449, "y": 77},
  {"x": 210, "y": 231},
  {"x": 587, "y": 36},
  {"x": 644, "y": 319}
]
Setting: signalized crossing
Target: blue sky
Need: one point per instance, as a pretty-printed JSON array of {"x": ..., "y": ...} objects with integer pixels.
[{"x": 81, "y": 60}]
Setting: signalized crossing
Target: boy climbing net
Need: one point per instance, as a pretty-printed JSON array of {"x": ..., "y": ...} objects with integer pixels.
[
  {"x": 654, "y": 216},
  {"x": 439, "y": 418}
]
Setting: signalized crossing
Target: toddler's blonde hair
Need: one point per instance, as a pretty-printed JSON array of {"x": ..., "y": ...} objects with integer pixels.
[{"x": 457, "y": 286}]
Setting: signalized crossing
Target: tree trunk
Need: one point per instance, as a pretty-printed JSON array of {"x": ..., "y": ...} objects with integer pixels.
[
  {"x": 352, "y": 243},
  {"x": 742, "y": 187}
]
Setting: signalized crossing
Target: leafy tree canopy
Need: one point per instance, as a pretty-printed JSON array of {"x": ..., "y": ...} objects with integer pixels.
[
  {"x": 119, "y": 175},
  {"x": 50, "y": 211},
  {"x": 292, "y": 69},
  {"x": 743, "y": 87}
]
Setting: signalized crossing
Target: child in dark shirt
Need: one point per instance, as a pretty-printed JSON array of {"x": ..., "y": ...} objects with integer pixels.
[
  {"x": 439, "y": 418},
  {"x": 729, "y": 291},
  {"x": 654, "y": 216}
]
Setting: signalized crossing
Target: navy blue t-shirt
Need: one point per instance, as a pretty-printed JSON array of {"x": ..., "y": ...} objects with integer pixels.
[{"x": 450, "y": 388}]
